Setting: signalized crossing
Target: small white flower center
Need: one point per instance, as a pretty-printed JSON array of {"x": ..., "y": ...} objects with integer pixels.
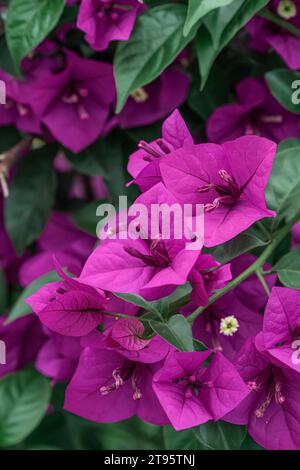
[
  {"x": 287, "y": 9},
  {"x": 229, "y": 325}
]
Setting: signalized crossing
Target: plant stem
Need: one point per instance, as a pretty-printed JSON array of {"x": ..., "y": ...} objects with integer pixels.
[
  {"x": 268, "y": 15},
  {"x": 256, "y": 266},
  {"x": 8, "y": 158},
  {"x": 122, "y": 315},
  {"x": 260, "y": 276}
]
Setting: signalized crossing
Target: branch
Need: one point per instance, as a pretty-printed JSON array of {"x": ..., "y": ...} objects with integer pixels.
[
  {"x": 9, "y": 158},
  {"x": 254, "y": 268},
  {"x": 260, "y": 276}
]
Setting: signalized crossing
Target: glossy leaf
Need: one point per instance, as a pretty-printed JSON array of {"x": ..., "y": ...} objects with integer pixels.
[
  {"x": 214, "y": 94},
  {"x": 24, "y": 397},
  {"x": 177, "y": 331},
  {"x": 86, "y": 218},
  {"x": 31, "y": 198},
  {"x": 288, "y": 269},
  {"x": 138, "y": 301},
  {"x": 208, "y": 436},
  {"x": 3, "y": 291},
  {"x": 281, "y": 86},
  {"x": 156, "y": 41},
  {"x": 197, "y": 9},
  {"x": 104, "y": 158},
  {"x": 28, "y": 23},
  {"x": 219, "y": 28},
  {"x": 283, "y": 190},
  {"x": 239, "y": 245},
  {"x": 21, "y": 308}
]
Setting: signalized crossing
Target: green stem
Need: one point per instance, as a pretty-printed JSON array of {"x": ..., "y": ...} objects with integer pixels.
[
  {"x": 122, "y": 315},
  {"x": 268, "y": 15},
  {"x": 260, "y": 276},
  {"x": 256, "y": 266}
]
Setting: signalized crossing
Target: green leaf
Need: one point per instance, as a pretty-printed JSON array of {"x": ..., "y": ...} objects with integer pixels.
[
  {"x": 288, "y": 269},
  {"x": 177, "y": 331},
  {"x": 220, "y": 435},
  {"x": 9, "y": 137},
  {"x": 3, "y": 291},
  {"x": 239, "y": 245},
  {"x": 24, "y": 397},
  {"x": 209, "y": 436},
  {"x": 21, "y": 308},
  {"x": 6, "y": 62},
  {"x": 198, "y": 346},
  {"x": 219, "y": 28},
  {"x": 177, "y": 299},
  {"x": 281, "y": 249},
  {"x": 180, "y": 292},
  {"x": 179, "y": 440},
  {"x": 250, "y": 444},
  {"x": 283, "y": 190},
  {"x": 154, "y": 44},
  {"x": 85, "y": 217},
  {"x": 31, "y": 198},
  {"x": 104, "y": 158},
  {"x": 214, "y": 94},
  {"x": 139, "y": 301},
  {"x": 28, "y": 23},
  {"x": 197, "y": 9},
  {"x": 280, "y": 84},
  {"x": 69, "y": 432},
  {"x": 130, "y": 434}
]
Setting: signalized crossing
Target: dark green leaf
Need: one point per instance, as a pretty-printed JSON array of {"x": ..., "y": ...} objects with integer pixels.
[
  {"x": 6, "y": 62},
  {"x": 280, "y": 83},
  {"x": 85, "y": 217},
  {"x": 28, "y": 23},
  {"x": 104, "y": 158},
  {"x": 219, "y": 28},
  {"x": 9, "y": 137},
  {"x": 199, "y": 347},
  {"x": 283, "y": 190},
  {"x": 197, "y": 9},
  {"x": 239, "y": 245},
  {"x": 176, "y": 331},
  {"x": 288, "y": 269},
  {"x": 132, "y": 434},
  {"x": 31, "y": 198},
  {"x": 24, "y": 397},
  {"x": 69, "y": 432},
  {"x": 155, "y": 42},
  {"x": 220, "y": 435},
  {"x": 281, "y": 249},
  {"x": 175, "y": 300},
  {"x": 3, "y": 291},
  {"x": 21, "y": 308},
  {"x": 180, "y": 440},
  {"x": 214, "y": 94},
  {"x": 209, "y": 436},
  {"x": 249, "y": 444},
  {"x": 139, "y": 301}
]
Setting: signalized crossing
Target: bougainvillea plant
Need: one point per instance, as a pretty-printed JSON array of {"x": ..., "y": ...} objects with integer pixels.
[{"x": 119, "y": 330}]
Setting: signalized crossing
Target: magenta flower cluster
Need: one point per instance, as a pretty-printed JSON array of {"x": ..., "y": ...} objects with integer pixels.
[{"x": 123, "y": 373}]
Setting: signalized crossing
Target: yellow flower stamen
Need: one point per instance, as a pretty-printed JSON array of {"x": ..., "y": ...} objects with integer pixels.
[{"x": 140, "y": 95}]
